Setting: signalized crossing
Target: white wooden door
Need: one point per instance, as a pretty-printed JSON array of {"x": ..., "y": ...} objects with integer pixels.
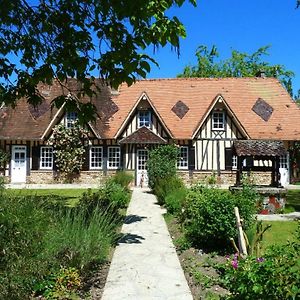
[
  {"x": 141, "y": 172},
  {"x": 18, "y": 164},
  {"x": 284, "y": 170}
]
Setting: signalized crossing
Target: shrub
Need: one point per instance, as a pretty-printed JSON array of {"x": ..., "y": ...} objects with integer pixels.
[
  {"x": 275, "y": 276},
  {"x": 69, "y": 148},
  {"x": 76, "y": 242},
  {"x": 162, "y": 163},
  {"x": 122, "y": 178},
  {"x": 39, "y": 236},
  {"x": 23, "y": 222},
  {"x": 60, "y": 285},
  {"x": 164, "y": 186},
  {"x": 209, "y": 217},
  {"x": 174, "y": 200},
  {"x": 111, "y": 195},
  {"x": 116, "y": 194}
]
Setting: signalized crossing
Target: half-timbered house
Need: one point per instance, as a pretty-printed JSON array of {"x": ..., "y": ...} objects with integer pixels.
[{"x": 202, "y": 116}]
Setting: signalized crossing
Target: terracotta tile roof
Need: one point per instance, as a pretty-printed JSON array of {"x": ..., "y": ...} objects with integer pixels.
[
  {"x": 197, "y": 94},
  {"x": 143, "y": 136},
  {"x": 259, "y": 148}
]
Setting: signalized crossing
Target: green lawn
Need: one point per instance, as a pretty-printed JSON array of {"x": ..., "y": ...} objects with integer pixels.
[
  {"x": 71, "y": 196},
  {"x": 293, "y": 200},
  {"x": 279, "y": 233}
]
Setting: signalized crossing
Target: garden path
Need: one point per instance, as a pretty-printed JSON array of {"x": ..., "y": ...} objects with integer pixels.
[{"x": 145, "y": 264}]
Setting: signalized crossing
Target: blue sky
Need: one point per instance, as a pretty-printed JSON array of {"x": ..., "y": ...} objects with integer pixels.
[{"x": 236, "y": 24}]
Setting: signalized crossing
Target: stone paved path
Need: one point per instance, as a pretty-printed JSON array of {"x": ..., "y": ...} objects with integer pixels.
[{"x": 145, "y": 264}]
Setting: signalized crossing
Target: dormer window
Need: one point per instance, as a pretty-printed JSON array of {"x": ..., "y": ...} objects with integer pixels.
[
  {"x": 144, "y": 118},
  {"x": 218, "y": 120},
  {"x": 70, "y": 119}
]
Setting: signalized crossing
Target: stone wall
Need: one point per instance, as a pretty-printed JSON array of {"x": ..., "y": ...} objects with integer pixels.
[
  {"x": 85, "y": 177},
  {"x": 226, "y": 177}
]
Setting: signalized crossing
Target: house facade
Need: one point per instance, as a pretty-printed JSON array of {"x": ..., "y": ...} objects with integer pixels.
[{"x": 203, "y": 117}]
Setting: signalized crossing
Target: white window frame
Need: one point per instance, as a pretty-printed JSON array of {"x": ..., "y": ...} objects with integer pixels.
[
  {"x": 183, "y": 158},
  {"x": 95, "y": 158},
  {"x": 43, "y": 151},
  {"x": 234, "y": 162},
  {"x": 146, "y": 118},
  {"x": 283, "y": 162},
  {"x": 113, "y": 161},
  {"x": 218, "y": 122},
  {"x": 70, "y": 119}
]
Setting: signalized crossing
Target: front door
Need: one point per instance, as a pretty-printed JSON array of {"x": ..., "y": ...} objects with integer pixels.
[
  {"x": 141, "y": 172},
  {"x": 284, "y": 170},
  {"x": 18, "y": 164}
]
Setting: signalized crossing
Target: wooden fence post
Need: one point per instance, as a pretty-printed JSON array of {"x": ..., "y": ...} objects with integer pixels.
[{"x": 241, "y": 238}]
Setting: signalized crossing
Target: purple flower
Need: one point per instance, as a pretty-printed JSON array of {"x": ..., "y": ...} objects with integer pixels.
[
  {"x": 260, "y": 259},
  {"x": 235, "y": 264}
]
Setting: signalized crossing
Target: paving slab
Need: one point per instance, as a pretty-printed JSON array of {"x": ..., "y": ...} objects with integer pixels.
[{"x": 145, "y": 264}]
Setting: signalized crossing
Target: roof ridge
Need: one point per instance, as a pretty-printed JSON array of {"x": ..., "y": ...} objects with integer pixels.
[{"x": 206, "y": 78}]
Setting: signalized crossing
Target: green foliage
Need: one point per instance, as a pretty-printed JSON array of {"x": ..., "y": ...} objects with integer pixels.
[
  {"x": 60, "y": 285},
  {"x": 164, "y": 186},
  {"x": 23, "y": 222},
  {"x": 240, "y": 64},
  {"x": 275, "y": 276},
  {"x": 111, "y": 195},
  {"x": 117, "y": 195},
  {"x": 4, "y": 158},
  {"x": 78, "y": 242},
  {"x": 40, "y": 240},
  {"x": 42, "y": 40},
  {"x": 208, "y": 216},
  {"x": 122, "y": 178},
  {"x": 162, "y": 163},
  {"x": 69, "y": 149},
  {"x": 174, "y": 200},
  {"x": 255, "y": 236}
]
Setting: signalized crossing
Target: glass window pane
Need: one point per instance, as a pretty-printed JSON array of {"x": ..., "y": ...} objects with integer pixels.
[
  {"x": 46, "y": 158},
  {"x": 96, "y": 157},
  {"x": 114, "y": 157}
]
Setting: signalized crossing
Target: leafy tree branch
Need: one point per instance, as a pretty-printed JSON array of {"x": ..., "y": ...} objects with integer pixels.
[
  {"x": 57, "y": 39},
  {"x": 240, "y": 64}
]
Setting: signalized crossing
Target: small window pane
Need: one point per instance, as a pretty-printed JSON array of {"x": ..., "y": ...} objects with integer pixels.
[
  {"x": 283, "y": 162},
  {"x": 96, "y": 157},
  {"x": 218, "y": 121},
  {"x": 234, "y": 162},
  {"x": 71, "y": 118},
  {"x": 144, "y": 118},
  {"x": 46, "y": 158},
  {"x": 182, "y": 162},
  {"x": 114, "y": 157}
]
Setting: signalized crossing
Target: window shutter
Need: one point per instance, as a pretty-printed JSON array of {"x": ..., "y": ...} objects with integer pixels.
[
  {"x": 191, "y": 158},
  {"x": 86, "y": 162},
  {"x": 35, "y": 157},
  {"x": 228, "y": 158},
  {"x": 249, "y": 161}
]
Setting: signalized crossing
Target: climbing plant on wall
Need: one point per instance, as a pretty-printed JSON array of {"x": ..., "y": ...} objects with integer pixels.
[{"x": 69, "y": 148}]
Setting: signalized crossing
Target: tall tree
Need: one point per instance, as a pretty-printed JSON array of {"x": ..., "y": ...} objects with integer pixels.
[
  {"x": 240, "y": 64},
  {"x": 45, "y": 39}
]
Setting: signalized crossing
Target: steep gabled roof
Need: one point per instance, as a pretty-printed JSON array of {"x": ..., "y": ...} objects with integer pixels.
[
  {"x": 143, "y": 135},
  {"x": 261, "y": 106},
  {"x": 220, "y": 98},
  {"x": 143, "y": 96}
]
